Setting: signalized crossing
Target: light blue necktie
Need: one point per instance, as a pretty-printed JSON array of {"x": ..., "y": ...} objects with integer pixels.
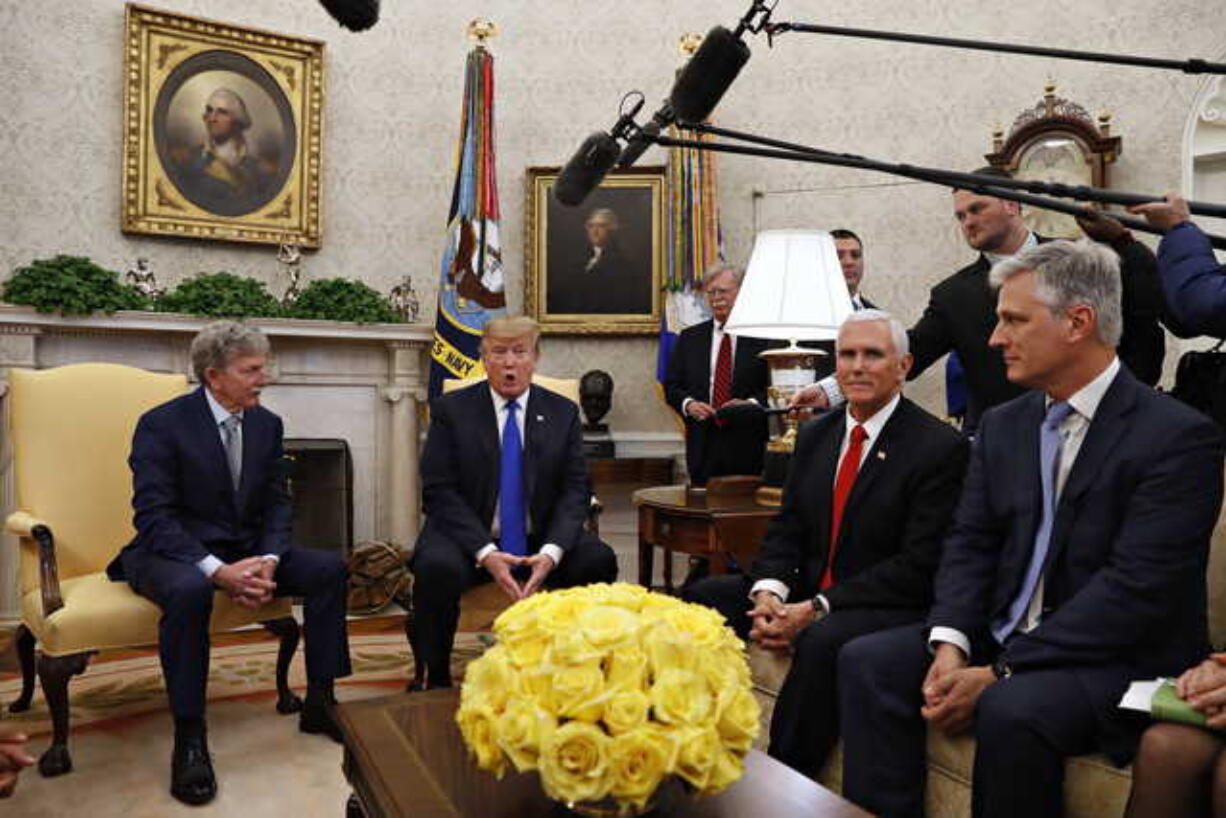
[
  {"x": 233, "y": 442},
  {"x": 1049, "y": 464},
  {"x": 512, "y": 528}
]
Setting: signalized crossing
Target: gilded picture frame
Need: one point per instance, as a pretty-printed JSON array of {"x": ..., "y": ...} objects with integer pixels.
[
  {"x": 222, "y": 131},
  {"x": 570, "y": 286}
]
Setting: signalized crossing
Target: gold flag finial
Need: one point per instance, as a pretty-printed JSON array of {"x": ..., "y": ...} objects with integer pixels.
[
  {"x": 481, "y": 29},
  {"x": 689, "y": 43}
]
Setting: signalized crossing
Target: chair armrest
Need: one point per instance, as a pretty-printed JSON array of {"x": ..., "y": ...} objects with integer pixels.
[{"x": 28, "y": 526}]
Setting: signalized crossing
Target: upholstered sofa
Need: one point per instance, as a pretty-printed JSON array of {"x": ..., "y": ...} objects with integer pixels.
[{"x": 1094, "y": 787}]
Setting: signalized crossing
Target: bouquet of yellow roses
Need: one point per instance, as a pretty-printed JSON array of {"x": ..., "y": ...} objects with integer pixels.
[{"x": 607, "y": 690}]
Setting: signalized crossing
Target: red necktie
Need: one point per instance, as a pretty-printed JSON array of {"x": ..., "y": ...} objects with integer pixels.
[
  {"x": 721, "y": 390},
  {"x": 849, "y": 467}
]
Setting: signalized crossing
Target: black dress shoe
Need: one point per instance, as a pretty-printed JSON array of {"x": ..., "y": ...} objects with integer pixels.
[
  {"x": 191, "y": 772},
  {"x": 316, "y": 717}
]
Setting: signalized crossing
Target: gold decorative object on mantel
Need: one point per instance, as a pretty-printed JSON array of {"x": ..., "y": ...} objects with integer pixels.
[
  {"x": 222, "y": 131},
  {"x": 1056, "y": 140},
  {"x": 480, "y": 29},
  {"x": 689, "y": 43}
]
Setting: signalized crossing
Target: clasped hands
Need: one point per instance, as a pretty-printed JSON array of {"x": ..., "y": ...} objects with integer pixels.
[
  {"x": 248, "y": 582},
  {"x": 701, "y": 410},
  {"x": 500, "y": 564},
  {"x": 1204, "y": 687},
  {"x": 776, "y": 623},
  {"x": 952, "y": 689}
]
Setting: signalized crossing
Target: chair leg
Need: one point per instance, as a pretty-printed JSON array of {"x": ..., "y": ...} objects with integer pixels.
[
  {"x": 419, "y": 664},
  {"x": 24, "y": 641},
  {"x": 55, "y": 672},
  {"x": 287, "y": 630}
]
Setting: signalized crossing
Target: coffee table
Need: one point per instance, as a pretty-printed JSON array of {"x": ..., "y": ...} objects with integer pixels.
[{"x": 404, "y": 757}]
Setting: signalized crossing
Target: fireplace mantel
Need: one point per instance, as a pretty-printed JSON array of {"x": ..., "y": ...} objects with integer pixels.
[{"x": 360, "y": 382}]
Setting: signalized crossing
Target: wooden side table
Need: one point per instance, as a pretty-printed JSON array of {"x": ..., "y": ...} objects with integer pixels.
[{"x": 721, "y": 523}]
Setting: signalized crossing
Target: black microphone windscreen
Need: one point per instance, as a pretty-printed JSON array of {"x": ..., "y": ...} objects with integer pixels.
[
  {"x": 706, "y": 77},
  {"x": 355, "y": 15},
  {"x": 590, "y": 164}
]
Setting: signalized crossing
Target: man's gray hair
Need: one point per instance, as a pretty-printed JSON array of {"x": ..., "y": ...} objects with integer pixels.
[
  {"x": 721, "y": 267},
  {"x": 898, "y": 333},
  {"x": 235, "y": 105},
  {"x": 219, "y": 343},
  {"x": 1071, "y": 273}
]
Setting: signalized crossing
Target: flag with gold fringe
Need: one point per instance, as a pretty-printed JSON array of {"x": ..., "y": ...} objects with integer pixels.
[
  {"x": 694, "y": 243},
  {"x": 471, "y": 286}
]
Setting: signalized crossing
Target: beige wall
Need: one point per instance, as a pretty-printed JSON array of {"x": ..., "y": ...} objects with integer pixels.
[{"x": 392, "y": 103}]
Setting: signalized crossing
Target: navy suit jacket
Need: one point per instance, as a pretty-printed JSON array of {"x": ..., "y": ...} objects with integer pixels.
[
  {"x": 460, "y": 470},
  {"x": 184, "y": 500},
  {"x": 896, "y": 516},
  {"x": 1124, "y": 593}
]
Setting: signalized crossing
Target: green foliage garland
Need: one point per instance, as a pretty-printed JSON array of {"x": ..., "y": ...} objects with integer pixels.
[
  {"x": 341, "y": 299},
  {"x": 221, "y": 295},
  {"x": 74, "y": 285}
]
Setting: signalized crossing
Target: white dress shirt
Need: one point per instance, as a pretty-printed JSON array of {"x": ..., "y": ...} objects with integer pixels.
[
  {"x": 551, "y": 550},
  {"x": 1073, "y": 430},
  {"x": 872, "y": 430}
]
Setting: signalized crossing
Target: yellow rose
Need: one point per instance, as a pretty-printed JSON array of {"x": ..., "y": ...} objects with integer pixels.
[
  {"x": 728, "y": 768},
  {"x": 626, "y": 668},
  {"x": 638, "y": 762},
  {"x": 625, "y": 710},
  {"x": 666, "y": 648},
  {"x": 572, "y": 649},
  {"x": 574, "y": 763},
  {"x": 520, "y": 730},
  {"x": 682, "y": 697},
  {"x": 578, "y": 692},
  {"x": 697, "y": 753},
  {"x": 606, "y": 627},
  {"x": 626, "y": 595},
  {"x": 535, "y": 683},
  {"x": 477, "y": 727},
  {"x": 739, "y": 716},
  {"x": 489, "y": 679},
  {"x": 562, "y": 613},
  {"x": 703, "y": 625},
  {"x": 518, "y": 628}
]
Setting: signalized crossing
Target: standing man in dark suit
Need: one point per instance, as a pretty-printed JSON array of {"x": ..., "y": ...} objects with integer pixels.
[
  {"x": 213, "y": 511},
  {"x": 960, "y": 314},
  {"x": 505, "y": 491},
  {"x": 1076, "y": 562},
  {"x": 850, "y": 250},
  {"x": 710, "y": 369},
  {"x": 869, "y": 496}
]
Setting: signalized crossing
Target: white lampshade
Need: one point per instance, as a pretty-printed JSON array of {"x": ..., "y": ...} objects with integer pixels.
[{"x": 793, "y": 288}]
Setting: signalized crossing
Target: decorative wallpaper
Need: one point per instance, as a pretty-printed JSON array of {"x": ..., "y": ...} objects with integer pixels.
[{"x": 392, "y": 102}]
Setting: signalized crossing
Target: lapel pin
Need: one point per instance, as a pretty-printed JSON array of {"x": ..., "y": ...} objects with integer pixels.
[
  {"x": 540, "y": 418},
  {"x": 881, "y": 455}
]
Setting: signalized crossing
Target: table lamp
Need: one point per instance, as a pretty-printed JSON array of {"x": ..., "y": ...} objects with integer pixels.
[{"x": 793, "y": 291}]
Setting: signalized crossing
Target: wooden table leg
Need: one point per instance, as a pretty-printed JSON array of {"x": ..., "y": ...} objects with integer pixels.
[{"x": 645, "y": 548}]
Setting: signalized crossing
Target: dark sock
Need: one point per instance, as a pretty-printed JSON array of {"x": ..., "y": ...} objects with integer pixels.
[
  {"x": 189, "y": 728},
  {"x": 320, "y": 694}
]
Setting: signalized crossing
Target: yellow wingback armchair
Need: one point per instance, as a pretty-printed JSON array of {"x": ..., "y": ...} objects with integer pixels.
[
  {"x": 71, "y": 429},
  {"x": 480, "y": 605}
]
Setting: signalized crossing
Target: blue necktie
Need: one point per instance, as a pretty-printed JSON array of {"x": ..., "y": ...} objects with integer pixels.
[
  {"x": 1049, "y": 464},
  {"x": 512, "y": 530}
]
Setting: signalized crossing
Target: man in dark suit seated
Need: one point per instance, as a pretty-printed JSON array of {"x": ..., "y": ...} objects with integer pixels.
[
  {"x": 505, "y": 491},
  {"x": 869, "y": 496},
  {"x": 1075, "y": 564},
  {"x": 710, "y": 369},
  {"x": 213, "y": 511}
]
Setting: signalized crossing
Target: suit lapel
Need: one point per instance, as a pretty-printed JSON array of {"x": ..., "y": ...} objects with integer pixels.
[
  {"x": 210, "y": 434},
  {"x": 1108, "y": 426},
  {"x": 533, "y": 417},
  {"x": 877, "y": 460},
  {"x": 703, "y": 352},
  {"x": 823, "y": 490}
]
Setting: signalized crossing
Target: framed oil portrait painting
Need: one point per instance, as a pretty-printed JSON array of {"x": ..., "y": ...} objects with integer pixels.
[
  {"x": 222, "y": 129},
  {"x": 596, "y": 268}
]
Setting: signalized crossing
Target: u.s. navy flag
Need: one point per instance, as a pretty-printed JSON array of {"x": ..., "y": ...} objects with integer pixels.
[
  {"x": 694, "y": 244},
  {"x": 470, "y": 290}
]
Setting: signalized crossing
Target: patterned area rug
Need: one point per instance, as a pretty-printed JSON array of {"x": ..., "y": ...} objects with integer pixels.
[{"x": 123, "y": 684}]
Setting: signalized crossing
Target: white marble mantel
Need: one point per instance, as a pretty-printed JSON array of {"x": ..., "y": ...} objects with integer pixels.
[{"x": 363, "y": 383}]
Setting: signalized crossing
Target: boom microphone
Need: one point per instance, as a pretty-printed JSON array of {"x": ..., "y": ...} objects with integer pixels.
[
  {"x": 355, "y": 15},
  {"x": 591, "y": 163},
  {"x": 708, "y": 74}
]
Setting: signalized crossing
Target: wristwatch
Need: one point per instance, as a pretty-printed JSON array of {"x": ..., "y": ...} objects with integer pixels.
[
  {"x": 1001, "y": 669},
  {"x": 819, "y": 610}
]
